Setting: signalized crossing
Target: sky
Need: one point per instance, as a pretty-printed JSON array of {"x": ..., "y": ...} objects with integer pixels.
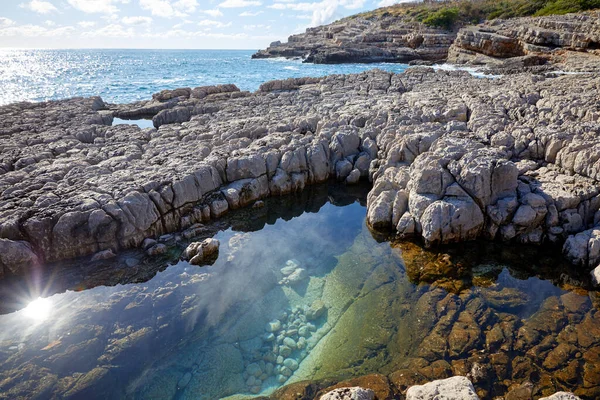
[{"x": 166, "y": 24}]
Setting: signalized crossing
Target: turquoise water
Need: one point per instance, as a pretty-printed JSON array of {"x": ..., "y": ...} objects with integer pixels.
[
  {"x": 122, "y": 76},
  {"x": 252, "y": 322}
]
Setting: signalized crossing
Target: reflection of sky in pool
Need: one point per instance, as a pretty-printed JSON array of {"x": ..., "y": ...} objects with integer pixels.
[{"x": 312, "y": 297}]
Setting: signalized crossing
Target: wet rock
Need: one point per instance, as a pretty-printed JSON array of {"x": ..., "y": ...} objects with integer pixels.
[
  {"x": 352, "y": 393},
  {"x": 200, "y": 253},
  {"x": 290, "y": 267},
  {"x": 299, "y": 275},
  {"x": 103, "y": 255},
  {"x": 561, "y": 396},
  {"x": 273, "y": 326},
  {"x": 457, "y": 387},
  {"x": 157, "y": 250},
  {"x": 291, "y": 364},
  {"x": 316, "y": 310}
]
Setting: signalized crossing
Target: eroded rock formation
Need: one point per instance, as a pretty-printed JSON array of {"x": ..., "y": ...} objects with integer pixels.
[
  {"x": 451, "y": 157},
  {"x": 361, "y": 40},
  {"x": 561, "y": 39}
]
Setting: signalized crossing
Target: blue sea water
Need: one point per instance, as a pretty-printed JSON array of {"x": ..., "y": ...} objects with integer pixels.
[{"x": 122, "y": 76}]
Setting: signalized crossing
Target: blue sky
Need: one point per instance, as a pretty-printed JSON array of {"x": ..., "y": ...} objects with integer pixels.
[{"x": 180, "y": 24}]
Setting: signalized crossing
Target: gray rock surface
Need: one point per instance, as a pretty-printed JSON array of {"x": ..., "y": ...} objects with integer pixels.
[
  {"x": 365, "y": 40},
  {"x": 532, "y": 41},
  {"x": 451, "y": 157},
  {"x": 352, "y": 393},
  {"x": 561, "y": 396},
  {"x": 455, "y": 388}
]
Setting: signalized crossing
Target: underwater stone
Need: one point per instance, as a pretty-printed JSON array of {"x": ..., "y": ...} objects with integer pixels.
[
  {"x": 290, "y": 266},
  {"x": 291, "y": 332},
  {"x": 285, "y": 371},
  {"x": 281, "y": 378},
  {"x": 303, "y": 331},
  {"x": 255, "y": 389},
  {"x": 285, "y": 351},
  {"x": 295, "y": 277},
  {"x": 269, "y": 337},
  {"x": 251, "y": 381},
  {"x": 291, "y": 364},
  {"x": 280, "y": 360},
  {"x": 311, "y": 327},
  {"x": 289, "y": 342},
  {"x": 301, "y": 343},
  {"x": 185, "y": 380},
  {"x": 269, "y": 368},
  {"x": 254, "y": 370},
  {"x": 316, "y": 309},
  {"x": 273, "y": 326}
]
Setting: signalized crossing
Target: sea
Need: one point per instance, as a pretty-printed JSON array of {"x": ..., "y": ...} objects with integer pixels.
[{"x": 123, "y": 76}]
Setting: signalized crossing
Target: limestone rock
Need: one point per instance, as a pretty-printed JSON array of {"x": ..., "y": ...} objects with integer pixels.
[
  {"x": 353, "y": 393},
  {"x": 457, "y": 387},
  {"x": 198, "y": 253}
]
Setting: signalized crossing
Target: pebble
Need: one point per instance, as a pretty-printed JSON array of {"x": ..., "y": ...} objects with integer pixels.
[
  {"x": 291, "y": 364},
  {"x": 280, "y": 360},
  {"x": 269, "y": 337},
  {"x": 273, "y": 326},
  {"x": 281, "y": 378},
  {"x": 303, "y": 331},
  {"x": 285, "y": 371},
  {"x": 253, "y": 370},
  {"x": 289, "y": 342},
  {"x": 251, "y": 381},
  {"x": 285, "y": 351}
]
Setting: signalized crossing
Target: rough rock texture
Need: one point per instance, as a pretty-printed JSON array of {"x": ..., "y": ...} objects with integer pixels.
[
  {"x": 556, "y": 38},
  {"x": 198, "y": 253},
  {"x": 457, "y": 387},
  {"x": 561, "y": 396},
  {"x": 451, "y": 157},
  {"x": 360, "y": 40},
  {"x": 349, "y": 393}
]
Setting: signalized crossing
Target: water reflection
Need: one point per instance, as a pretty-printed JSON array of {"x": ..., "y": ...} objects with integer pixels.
[
  {"x": 142, "y": 123},
  {"x": 302, "y": 291}
]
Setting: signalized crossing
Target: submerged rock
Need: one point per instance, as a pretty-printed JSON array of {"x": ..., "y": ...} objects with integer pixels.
[{"x": 199, "y": 253}]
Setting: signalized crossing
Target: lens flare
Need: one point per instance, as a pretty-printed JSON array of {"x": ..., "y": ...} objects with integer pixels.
[{"x": 39, "y": 309}]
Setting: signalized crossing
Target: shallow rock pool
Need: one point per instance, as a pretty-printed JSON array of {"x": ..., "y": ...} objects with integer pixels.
[{"x": 313, "y": 298}]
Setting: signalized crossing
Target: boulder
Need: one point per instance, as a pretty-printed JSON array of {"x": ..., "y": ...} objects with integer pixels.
[{"x": 457, "y": 387}]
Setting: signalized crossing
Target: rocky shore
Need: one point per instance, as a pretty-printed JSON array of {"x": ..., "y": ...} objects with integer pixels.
[
  {"x": 451, "y": 157},
  {"x": 365, "y": 40},
  {"x": 537, "y": 44},
  {"x": 567, "y": 42}
]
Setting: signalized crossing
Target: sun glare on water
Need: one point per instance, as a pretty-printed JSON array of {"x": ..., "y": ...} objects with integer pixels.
[{"x": 38, "y": 309}]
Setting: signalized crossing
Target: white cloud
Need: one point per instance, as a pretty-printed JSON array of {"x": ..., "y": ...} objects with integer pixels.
[
  {"x": 36, "y": 31},
  {"x": 387, "y": 3},
  {"x": 137, "y": 20},
  {"x": 112, "y": 30},
  {"x": 86, "y": 24},
  {"x": 97, "y": 6},
  {"x": 322, "y": 12},
  {"x": 239, "y": 3},
  {"x": 164, "y": 8},
  {"x": 50, "y": 23},
  {"x": 6, "y": 22},
  {"x": 213, "y": 13},
  {"x": 258, "y": 26},
  {"x": 39, "y": 6},
  {"x": 215, "y": 24},
  {"x": 250, "y": 14}
]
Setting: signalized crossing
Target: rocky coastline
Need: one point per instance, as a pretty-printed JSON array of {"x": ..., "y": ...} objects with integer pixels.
[
  {"x": 537, "y": 44},
  {"x": 451, "y": 158}
]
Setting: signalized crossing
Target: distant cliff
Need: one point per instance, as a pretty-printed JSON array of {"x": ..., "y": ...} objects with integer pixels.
[
  {"x": 448, "y": 31},
  {"x": 362, "y": 40}
]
